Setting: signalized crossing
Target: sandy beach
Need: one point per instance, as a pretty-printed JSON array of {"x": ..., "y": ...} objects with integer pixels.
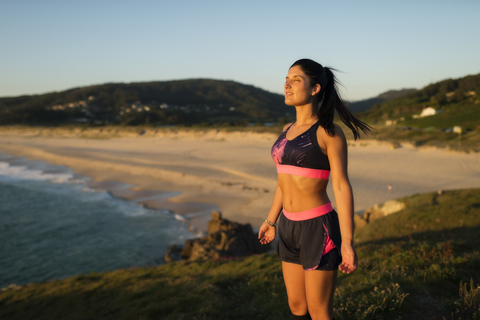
[{"x": 194, "y": 172}]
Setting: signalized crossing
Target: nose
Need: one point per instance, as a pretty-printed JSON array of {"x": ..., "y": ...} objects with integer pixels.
[{"x": 287, "y": 84}]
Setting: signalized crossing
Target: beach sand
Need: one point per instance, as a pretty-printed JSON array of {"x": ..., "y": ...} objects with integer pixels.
[{"x": 194, "y": 172}]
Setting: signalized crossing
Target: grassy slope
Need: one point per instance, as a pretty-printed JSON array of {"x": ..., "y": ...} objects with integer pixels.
[
  {"x": 428, "y": 248},
  {"x": 459, "y": 114},
  {"x": 411, "y": 265},
  {"x": 467, "y": 142}
]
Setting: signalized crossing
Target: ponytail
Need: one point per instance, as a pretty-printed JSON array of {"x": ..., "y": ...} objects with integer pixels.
[
  {"x": 328, "y": 100},
  {"x": 332, "y": 102}
]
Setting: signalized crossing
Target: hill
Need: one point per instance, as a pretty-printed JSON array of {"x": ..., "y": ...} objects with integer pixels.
[
  {"x": 364, "y": 105},
  {"x": 184, "y": 102},
  {"x": 454, "y": 102},
  {"x": 421, "y": 262}
]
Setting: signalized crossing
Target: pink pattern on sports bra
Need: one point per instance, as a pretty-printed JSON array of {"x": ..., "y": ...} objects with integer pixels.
[{"x": 278, "y": 150}]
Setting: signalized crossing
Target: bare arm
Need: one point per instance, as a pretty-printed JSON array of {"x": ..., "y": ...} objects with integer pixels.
[
  {"x": 267, "y": 232},
  {"x": 337, "y": 154}
]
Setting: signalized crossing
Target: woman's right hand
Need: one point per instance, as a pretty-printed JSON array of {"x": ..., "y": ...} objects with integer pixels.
[{"x": 266, "y": 234}]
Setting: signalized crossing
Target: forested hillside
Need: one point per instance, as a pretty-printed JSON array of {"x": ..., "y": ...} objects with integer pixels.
[
  {"x": 456, "y": 102},
  {"x": 184, "y": 102},
  {"x": 364, "y": 105},
  {"x": 216, "y": 102}
]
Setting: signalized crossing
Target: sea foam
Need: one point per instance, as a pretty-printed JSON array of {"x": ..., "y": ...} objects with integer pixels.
[{"x": 24, "y": 173}]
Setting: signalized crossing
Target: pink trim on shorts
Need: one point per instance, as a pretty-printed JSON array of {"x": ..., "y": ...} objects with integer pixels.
[
  {"x": 304, "y": 172},
  {"x": 308, "y": 214},
  {"x": 329, "y": 245}
]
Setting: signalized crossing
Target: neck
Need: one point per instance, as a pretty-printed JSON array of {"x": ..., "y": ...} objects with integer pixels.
[{"x": 305, "y": 115}]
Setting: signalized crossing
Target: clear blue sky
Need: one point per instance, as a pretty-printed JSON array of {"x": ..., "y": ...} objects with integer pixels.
[{"x": 378, "y": 45}]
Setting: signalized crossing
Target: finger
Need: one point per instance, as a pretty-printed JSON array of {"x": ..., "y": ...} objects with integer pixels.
[
  {"x": 351, "y": 269},
  {"x": 346, "y": 268}
]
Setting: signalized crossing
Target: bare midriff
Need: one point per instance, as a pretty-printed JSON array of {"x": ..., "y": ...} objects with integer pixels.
[{"x": 302, "y": 193}]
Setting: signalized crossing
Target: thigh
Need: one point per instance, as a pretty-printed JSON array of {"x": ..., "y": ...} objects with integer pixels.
[
  {"x": 294, "y": 277},
  {"x": 319, "y": 288}
]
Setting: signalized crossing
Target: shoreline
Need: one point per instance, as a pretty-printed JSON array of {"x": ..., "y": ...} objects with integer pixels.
[
  {"x": 188, "y": 172},
  {"x": 190, "y": 195},
  {"x": 195, "y": 215}
]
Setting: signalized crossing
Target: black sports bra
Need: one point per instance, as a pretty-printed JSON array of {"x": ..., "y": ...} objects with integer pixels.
[{"x": 301, "y": 156}]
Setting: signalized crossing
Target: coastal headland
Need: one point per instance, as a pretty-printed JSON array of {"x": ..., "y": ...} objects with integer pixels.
[{"x": 193, "y": 172}]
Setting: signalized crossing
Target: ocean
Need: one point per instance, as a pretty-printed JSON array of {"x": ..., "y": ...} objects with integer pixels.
[{"x": 53, "y": 226}]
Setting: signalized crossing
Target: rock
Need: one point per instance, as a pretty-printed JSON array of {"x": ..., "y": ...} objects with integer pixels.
[
  {"x": 187, "y": 250},
  {"x": 173, "y": 253},
  {"x": 12, "y": 286},
  {"x": 224, "y": 239},
  {"x": 359, "y": 221},
  {"x": 392, "y": 206},
  {"x": 216, "y": 215},
  {"x": 378, "y": 211},
  {"x": 201, "y": 250}
]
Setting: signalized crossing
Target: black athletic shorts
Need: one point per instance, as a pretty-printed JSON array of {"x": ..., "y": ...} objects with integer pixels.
[{"x": 302, "y": 242}]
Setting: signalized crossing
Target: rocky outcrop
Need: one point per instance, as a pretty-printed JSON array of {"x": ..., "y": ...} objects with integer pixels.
[
  {"x": 377, "y": 211},
  {"x": 224, "y": 239}
]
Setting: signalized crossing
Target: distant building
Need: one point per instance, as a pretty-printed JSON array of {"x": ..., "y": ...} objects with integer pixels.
[
  {"x": 427, "y": 112},
  {"x": 450, "y": 94}
]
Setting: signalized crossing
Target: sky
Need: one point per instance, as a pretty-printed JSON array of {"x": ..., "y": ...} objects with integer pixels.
[{"x": 376, "y": 45}]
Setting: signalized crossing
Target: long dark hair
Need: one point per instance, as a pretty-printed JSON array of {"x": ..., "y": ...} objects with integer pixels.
[{"x": 327, "y": 100}]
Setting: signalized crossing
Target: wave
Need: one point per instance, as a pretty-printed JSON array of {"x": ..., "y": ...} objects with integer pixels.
[{"x": 24, "y": 173}]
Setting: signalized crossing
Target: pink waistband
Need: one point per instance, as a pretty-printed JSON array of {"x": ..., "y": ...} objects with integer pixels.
[
  {"x": 304, "y": 172},
  {"x": 308, "y": 214}
]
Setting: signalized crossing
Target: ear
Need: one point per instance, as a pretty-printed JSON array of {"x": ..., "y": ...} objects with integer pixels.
[{"x": 316, "y": 89}]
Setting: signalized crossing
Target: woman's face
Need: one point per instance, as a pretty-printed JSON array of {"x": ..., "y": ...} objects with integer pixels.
[{"x": 298, "y": 91}]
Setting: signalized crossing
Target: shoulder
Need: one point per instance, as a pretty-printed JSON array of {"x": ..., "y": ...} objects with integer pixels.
[
  {"x": 288, "y": 125},
  {"x": 336, "y": 151},
  {"x": 338, "y": 137}
]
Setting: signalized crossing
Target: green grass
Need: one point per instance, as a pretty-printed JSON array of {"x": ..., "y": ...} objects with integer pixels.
[
  {"x": 431, "y": 248},
  {"x": 227, "y": 289},
  {"x": 419, "y": 263},
  {"x": 467, "y": 142},
  {"x": 458, "y": 114},
  {"x": 427, "y": 131}
]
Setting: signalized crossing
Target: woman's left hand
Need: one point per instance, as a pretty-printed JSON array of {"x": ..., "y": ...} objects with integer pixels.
[{"x": 349, "y": 259}]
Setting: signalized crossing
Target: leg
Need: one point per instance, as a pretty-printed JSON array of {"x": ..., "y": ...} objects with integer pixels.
[
  {"x": 294, "y": 277},
  {"x": 319, "y": 288}
]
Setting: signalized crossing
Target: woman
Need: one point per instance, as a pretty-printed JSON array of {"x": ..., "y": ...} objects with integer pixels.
[{"x": 314, "y": 241}]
